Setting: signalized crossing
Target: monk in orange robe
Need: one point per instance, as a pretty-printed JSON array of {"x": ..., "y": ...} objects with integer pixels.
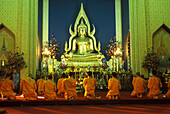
[
  {"x": 89, "y": 85},
  {"x": 69, "y": 85},
  {"x": 28, "y": 88},
  {"x": 168, "y": 93},
  {"x": 7, "y": 87},
  {"x": 154, "y": 85},
  {"x": 40, "y": 85},
  {"x": 138, "y": 84},
  {"x": 133, "y": 81},
  {"x": 60, "y": 85},
  {"x": 114, "y": 87},
  {"x": 49, "y": 89}
]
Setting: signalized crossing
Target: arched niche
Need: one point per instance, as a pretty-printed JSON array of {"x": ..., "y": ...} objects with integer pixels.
[
  {"x": 161, "y": 45},
  {"x": 9, "y": 38}
]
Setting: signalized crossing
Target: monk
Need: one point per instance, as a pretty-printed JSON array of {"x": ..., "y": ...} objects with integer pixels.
[
  {"x": 49, "y": 89},
  {"x": 7, "y": 87},
  {"x": 69, "y": 85},
  {"x": 60, "y": 85},
  {"x": 114, "y": 87},
  {"x": 133, "y": 81},
  {"x": 168, "y": 93},
  {"x": 89, "y": 85},
  {"x": 154, "y": 85},
  {"x": 40, "y": 85},
  {"x": 138, "y": 84},
  {"x": 28, "y": 88}
]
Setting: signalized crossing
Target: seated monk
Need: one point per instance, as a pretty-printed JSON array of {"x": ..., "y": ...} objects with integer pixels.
[
  {"x": 28, "y": 88},
  {"x": 49, "y": 89},
  {"x": 168, "y": 93},
  {"x": 60, "y": 85},
  {"x": 154, "y": 85},
  {"x": 138, "y": 84},
  {"x": 40, "y": 85},
  {"x": 69, "y": 85},
  {"x": 113, "y": 86},
  {"x": 89, "y": 85},
  {"x": 7, "y": 87}
]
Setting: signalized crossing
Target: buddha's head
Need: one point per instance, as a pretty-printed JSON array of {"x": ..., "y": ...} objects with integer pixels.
[{"x": 82, "y": 28}]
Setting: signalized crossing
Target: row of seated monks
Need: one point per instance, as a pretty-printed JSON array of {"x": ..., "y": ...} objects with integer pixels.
[{"x": 67, "y": 87}]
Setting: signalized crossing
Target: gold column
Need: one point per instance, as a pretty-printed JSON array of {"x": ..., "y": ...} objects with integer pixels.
[
  {"x": 132, "y": 37},
  {"x": 138, "y": 35},
  {"x": 45, "y": 21},
  {"x": 118, "y": 20},
  {"x": 29, "y": 37}
]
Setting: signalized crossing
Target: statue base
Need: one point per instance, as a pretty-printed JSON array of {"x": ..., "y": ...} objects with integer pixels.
[
  {"x": 83, "y": 60},
  {"x": 83, "y": 63}
]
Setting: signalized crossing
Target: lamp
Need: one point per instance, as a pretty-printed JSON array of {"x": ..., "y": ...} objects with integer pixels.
[
  {"x": 118, "y": 54},
  {"x": 46, "y": 54}
]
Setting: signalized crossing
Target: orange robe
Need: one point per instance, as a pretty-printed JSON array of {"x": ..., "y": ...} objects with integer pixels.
[
  {"x": 138, "y": 84},
  {"x": 49, "y": 90},
  {"x": 40, "y": 85},
  {"x": 28, "y": 87},
  {"x": 113, "y": 86},
  {"x": 133, "y": 81},
  {"x": 153, "y": 84},
  {"x": 168, "y": 93},
  {"x": 60, "y": 86},
  {"x": 6, "y": 89},
  {"x": 89, "y": 85},
  {"x": 70, "y": 88}
]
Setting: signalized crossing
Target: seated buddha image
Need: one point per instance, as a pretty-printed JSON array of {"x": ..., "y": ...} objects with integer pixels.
[{"x": 82, "y": 44}]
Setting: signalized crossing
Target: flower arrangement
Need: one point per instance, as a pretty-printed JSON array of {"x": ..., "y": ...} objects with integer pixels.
[
  {"x": 16, "y": 61},
  {"x": 112, "y": 46},
  {"x": 52, "y": 46},
  {"x": 151, "y": 60}
]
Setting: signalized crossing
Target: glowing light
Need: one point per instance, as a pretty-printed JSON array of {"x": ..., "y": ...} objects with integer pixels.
[
  {"x": 22, "y": 95},
  {"x": 46, "y": 52},
  {"x": 40, "y": 97},
  {"x": 118, "y": 52},
  {"x": 3, "y": 63}
]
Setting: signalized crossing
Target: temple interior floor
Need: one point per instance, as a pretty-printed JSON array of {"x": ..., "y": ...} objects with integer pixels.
[
  {"x": 91, "y": 109},
  {"x": 125, "y": 98},
  {"x": 124, "y": 95}
]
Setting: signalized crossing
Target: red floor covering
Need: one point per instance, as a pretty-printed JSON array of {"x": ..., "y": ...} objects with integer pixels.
[
  {"x": 125, "y": 98},
  {"x": 124, "y": 95},
  {"x": 91, "y": 109}
]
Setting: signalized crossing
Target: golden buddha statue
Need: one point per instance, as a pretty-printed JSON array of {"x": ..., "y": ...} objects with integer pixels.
[{"x": 82, "y": 43}]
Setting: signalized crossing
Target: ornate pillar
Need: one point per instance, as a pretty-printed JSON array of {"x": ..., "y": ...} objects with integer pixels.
[
  {"x": 138, "y": 35},
  {"x": 132, "y": 37},
  {"x": 29, "y": 36},
  {"x": 118, "y": 16},
  {"x": 45, "y": 21}
]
